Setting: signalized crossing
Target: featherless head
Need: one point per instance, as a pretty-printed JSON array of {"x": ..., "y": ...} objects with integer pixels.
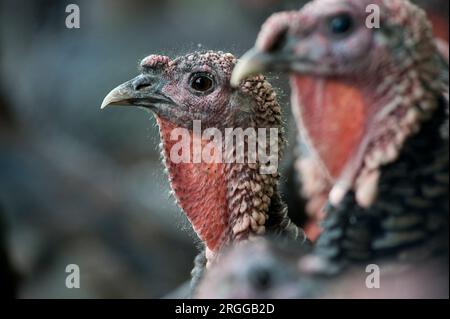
[
  {"x": 354, "y": 38},
  {"x": 364, "y": 75},
  {"x": 224, "y": 201},
  {"x": 196, "y": 87}
]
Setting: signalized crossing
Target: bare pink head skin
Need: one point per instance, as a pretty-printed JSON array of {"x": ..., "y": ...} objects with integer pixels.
[
  {"x": 357, "y": 92},
  {"x": 225, "y": 202}
]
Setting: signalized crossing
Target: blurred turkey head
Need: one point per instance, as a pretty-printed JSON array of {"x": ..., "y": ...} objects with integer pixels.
[
  {"x": 271, "y": 269},
  {"x": 262, "y": 269},
  {"x": 359, "y": 88}
]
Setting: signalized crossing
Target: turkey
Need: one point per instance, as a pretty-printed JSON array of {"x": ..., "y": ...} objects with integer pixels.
[
  {"x": 270, "y": 273},
  {"x": 225, "y": 202},
  {"x": 372, "y": 108},
  {"x": 273, "y": 272},
  {"x": 312, "y": 178}
]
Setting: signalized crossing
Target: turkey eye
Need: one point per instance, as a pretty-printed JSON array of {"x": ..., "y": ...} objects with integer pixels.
[
  {"x": 340, "y": 24},
  {"x": 201, "y": 83}
]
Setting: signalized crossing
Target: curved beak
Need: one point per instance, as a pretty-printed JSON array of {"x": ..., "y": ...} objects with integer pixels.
[
  {"x": 252, "y": 63},
  {"x": 121, "y": 95},
  {"x": 306, "y": 57},
  {"x": 256, "y": 62},
  {"x": 144, "y": 90}
]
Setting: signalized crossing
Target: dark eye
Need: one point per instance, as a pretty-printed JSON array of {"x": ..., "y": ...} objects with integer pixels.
[
  {"x": 202, "y": 82},
  {"x": 341, "y": 24}
]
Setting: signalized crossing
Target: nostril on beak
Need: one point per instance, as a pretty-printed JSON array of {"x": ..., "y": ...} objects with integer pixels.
[
  {"x": 142, "y": 86},
  {"x": 142, "y": 83}
]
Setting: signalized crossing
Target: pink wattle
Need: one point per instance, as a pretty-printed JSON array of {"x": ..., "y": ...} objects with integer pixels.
[
  {"x": 200, "y": 190},
  {"x": 334, "y": 120}
]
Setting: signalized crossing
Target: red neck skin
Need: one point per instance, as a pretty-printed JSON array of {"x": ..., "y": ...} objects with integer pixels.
[
  {"x": 200, "y": 190},
  {"x": 440, "y": 26},
  {"x": 334, "y": 120}
]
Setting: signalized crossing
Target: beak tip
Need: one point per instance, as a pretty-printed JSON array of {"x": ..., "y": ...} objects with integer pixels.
[
  {"x": 240, "y": 72},
  {"x": 235, "y": 80},
  {"x": 251, "y": 63},
  {"x": 113, "y": 97},
  {"x": 104, "y": 104}
]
